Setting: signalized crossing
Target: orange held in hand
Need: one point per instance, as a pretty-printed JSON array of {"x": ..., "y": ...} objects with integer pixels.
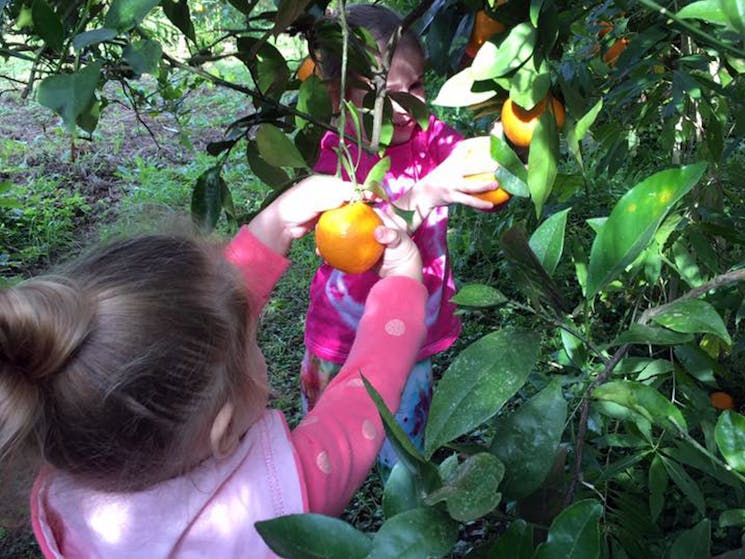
[
  {"x": 345, "y": 238},
  {"x": 484, "y": 27},
  {"x": 307, "y": 69},
  {"x": 611, "y": 55},
  {"x": 497, "y": 197},
  {"x": 519, "y": 124},
  {"x": 722, "y": 401}
]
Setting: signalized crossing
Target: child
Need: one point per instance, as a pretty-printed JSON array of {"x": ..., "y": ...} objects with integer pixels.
[
  {"x": 137, "y": 373},
  {"x": 426, "y": 175}
]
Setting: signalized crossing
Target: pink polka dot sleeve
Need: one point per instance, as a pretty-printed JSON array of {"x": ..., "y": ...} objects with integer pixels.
[{"x": 339, "y": 439}]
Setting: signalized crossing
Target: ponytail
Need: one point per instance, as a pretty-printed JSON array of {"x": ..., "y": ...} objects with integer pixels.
[{"x": 43, "y": 323}]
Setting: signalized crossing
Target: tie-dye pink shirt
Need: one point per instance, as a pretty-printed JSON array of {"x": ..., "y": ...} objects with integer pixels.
[{"x": 338, "y": 299}]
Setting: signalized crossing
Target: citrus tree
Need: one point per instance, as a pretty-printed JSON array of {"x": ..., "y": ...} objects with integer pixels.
[{"x": 599, "y": 417}]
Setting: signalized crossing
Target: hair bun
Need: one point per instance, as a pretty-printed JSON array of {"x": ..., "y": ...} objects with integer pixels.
[{"x": 42, "y": 323}]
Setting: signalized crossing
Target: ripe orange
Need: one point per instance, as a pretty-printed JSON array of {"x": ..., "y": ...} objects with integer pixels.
[
  {"x": 722, "y": 401},
  {"x": 496, "y": 197},
  {"x": 306, "y": 69},
  {"x": 611, "y": 55},
  {"x": 345, "y": 239},
  {"x": 484, "y": 27},
  {"x": 519, "y": 124}
]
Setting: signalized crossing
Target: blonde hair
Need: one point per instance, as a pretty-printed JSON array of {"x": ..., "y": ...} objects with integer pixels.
[{"x": 118, "y": 364}]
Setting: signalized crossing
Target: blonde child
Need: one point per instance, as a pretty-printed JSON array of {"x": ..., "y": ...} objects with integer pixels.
[
  {"x": 426, "y": 175},
  {"x": 136, "y": 372}
]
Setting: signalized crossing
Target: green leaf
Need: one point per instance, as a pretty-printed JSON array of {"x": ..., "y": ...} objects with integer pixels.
[
  {"x": 478, "y": 295},
  {"x": 48, "y": 24},
  {"x": 471, "y": 492},
  {"x": 178, "y": 14},
  {"x": 401, "y": 492},
  {"x": 271, "y": 175},
  {"x": 730, "y": 436},
  {"x": 657, "y": 487},
  {"x": 543, "y": 161},
  {"x": 415, "y": 534},
  {"x": 547, "y": 241},
  {"x": 574, "y": 534},
  {"x": 375, "y": 176},
  {"x": 503, "y": 154},
  {"x": 313, "y": 98},
  {"x": 634, "y": 221},
  {"x": 287, "y": 12},
  {"x": 685, "y": 483},
  {"x": 412, "y": 105},
  {"x": 125, "y": 14},
  {"x": 644, "y": 400},
  {"x": 478, "y": 382},
  {"x": 267, "y": 64},
  {"x": 706, "y": 10},
  {"x": 693, "y": 543},
  {"x": 457, "y": 91},
  {"x": 526, "y": 440},
  {"x": 492, "y": 61},
  {"x": 93, "y": 37},
  {"x": 514, "y": 543},
  {"x": 207, "y": 198},
  {"x": 698, "y": 363},
  {"x": 735, "y": 12},
  {"x": 313, "y": 536},
  {"x": 642, "y": 334},
  {"x": 529, "y": 86},
  {"x": 732, "y": 518},
  {"x": 143, "y": 56},
  {"x": 693, "y": 316},
  {"x": 69, "y": 95},
  {"x": 576, "y": 133},
  {"x": 277, "y": 149}
]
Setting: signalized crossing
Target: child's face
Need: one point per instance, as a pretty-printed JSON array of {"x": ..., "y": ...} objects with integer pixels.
[{"x": 405, "y": 75}]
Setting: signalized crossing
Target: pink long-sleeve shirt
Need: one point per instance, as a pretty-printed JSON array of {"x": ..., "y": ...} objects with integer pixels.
[
  {"x": 315, "y": 468},
  {"x": 337, "y": 299}
]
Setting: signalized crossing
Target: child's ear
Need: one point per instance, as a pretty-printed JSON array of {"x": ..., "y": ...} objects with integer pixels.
[{"x": 224, "y": 437}]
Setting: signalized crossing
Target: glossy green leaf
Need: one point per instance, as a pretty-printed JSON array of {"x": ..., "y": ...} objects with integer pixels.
[
  {"x": 644, "y": 400},
  {"x": 730, "y": 437},
  {"x": 503, "y": 154},
  {"x": 400, "y": 493},
  {"x": 208, "y": 198},
  {"x": 706, "y": 10},
  {"x": 125, "y": 14},
  {"x": 478, "y": 295},
  {"x": 685, "y": 483},
  {"x": 576, "y": 133},
  {"x": 267, "y": 64},
  {"x": 526, "y": 440},
  {"x": 48, "y": 24},
  {"x": 143, "y": 56},
  {"x": 547, "y": 241},
  {"x": 471, "y": 492},
  {"x": 693, "y": 316},
  {"x": 93, "y": 37},
  {"x": 178, "y": 14},
  {"x": 492, "y": 61},
  {"x": 374, "y": 177},
  {"x": 415, "y": 534},
  {"x": 313, "y": 536},
  {"x": 512, "y": 184},
  {"x": 271, "y": 175},
  {"x": 634, "y": 221},
  {"x": 478, "y": 382},
  {"x": 412, "y": 105},
  {"x": 514, "y": 543},
  {"x": 643, "y": 334},
  {"x": 732, "y": 518},
  {"x": 69, "y": 95},
  {"x": 694, "y": 543},
  {"x": 657, "y": 487},
  {"x": 574, "y": 534},
  {"x": 543, "y": 161},
  {"x": 313, "y": 98},
  {"x": 277, "y": 149},
  {"x": 735, "y": 12},
  {"x": 529, "y": 86},
  {"x": 457, "y": 91}
]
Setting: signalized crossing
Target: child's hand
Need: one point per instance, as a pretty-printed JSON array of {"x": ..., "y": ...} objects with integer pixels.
[
  {"x": 401, "y": 256},
  {"x": 295, "y": 211}
]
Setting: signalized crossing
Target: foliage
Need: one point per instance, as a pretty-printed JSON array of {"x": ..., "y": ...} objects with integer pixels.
[{"x": 581, "y": 425}]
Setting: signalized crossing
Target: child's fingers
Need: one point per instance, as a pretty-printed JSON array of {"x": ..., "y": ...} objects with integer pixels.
[{"x": 388, "y": 236}]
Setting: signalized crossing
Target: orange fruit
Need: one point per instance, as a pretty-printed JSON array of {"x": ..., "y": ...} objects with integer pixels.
[
  {"x": 722, "y": 401},
  {"x": 496, "y": 197},
  {"x": 345, "y": 239},
  {"x": 519, "y": 124},
  {"x": 306, "y": 69},
  {"x": 484, "y": 27},
  {"x": 605, "y": 28},
  {"x": 611, "y": 55}
]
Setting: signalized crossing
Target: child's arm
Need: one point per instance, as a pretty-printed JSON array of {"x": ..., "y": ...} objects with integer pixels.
[{"x": 339, "y": 439}]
